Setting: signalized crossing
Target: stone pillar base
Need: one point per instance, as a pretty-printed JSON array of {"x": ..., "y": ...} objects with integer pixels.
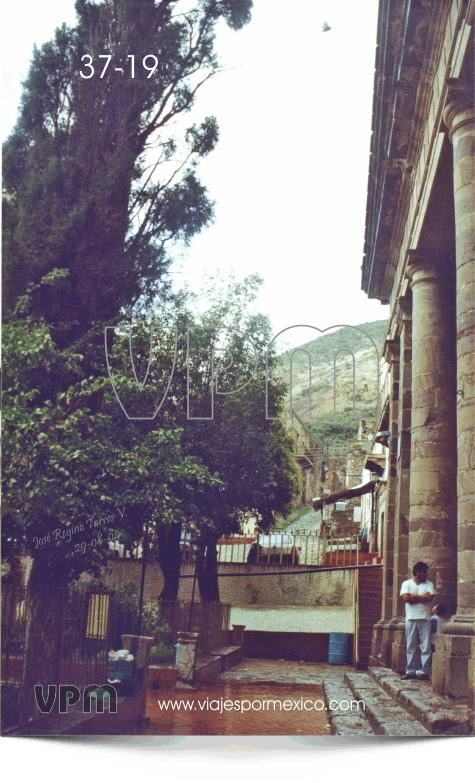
[
  {"x": 398, "y": 647},
  {"x": 378, "y": 629},
  {"x": 186, "y": 658},
  {"x": 238, "y": 635},
  {"x": 387, "y": 643},
  {"x": 140, "y": 647},
  {"x": 452, "y": 662},
  {"x": 471, "y": 686},
  {"x": 381, "y": 647}
]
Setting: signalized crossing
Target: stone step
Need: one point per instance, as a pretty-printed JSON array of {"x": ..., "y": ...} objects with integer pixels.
[
  {"x": 344, "y": 722},
  {"x": 207, "y": 667},
  {"x": 230, "y": 656},
  {"x": 385, "y": 716},
  {"x": 439, "y": 715}
]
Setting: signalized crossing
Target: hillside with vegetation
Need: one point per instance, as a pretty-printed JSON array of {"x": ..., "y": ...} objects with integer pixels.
[{"x": 335, "y": 355}]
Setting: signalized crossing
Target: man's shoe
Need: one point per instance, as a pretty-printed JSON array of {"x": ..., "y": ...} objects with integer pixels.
[
  {"x": 422, "y": 676},
  {"x": 408, "y": 677}
]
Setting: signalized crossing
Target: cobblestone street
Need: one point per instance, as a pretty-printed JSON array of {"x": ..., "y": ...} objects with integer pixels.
[
  {"x": 276, "y": 697},
  {"x": 252, "y": 681},
  {"x": 291, "y": 672}
]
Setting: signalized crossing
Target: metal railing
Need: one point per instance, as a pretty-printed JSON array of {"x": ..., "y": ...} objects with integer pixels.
[
  {"x": 54, "y": 636},
  {"x": 303, "y": 550},
  {"x": 306, "y": 549}
]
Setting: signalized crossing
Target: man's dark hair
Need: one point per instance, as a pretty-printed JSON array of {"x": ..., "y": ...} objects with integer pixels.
[
  {"x": 441, "y": 610},
  {"x": 420, "y": 566}
]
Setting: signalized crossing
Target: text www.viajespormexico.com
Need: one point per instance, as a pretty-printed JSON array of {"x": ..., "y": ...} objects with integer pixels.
[{"x": 244, "y": 705}]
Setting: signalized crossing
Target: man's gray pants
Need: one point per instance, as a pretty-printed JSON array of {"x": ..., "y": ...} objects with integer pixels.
[{"x": 418, "y": 632}]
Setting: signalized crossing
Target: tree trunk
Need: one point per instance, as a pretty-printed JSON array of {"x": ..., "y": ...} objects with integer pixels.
[
  {"x": 207, "y": 570},
  {"x": 169, "y": 557},
  {"x": 45, "y": 618}
]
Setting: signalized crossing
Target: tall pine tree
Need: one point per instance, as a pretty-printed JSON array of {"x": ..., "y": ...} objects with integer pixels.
[{"x": 91, "y": 178}]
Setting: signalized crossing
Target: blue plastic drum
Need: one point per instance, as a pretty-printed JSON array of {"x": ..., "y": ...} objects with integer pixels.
[{"x": 339, "y": 649}]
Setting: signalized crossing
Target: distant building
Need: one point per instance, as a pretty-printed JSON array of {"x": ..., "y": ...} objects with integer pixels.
[{"x": 419, "y": 258}]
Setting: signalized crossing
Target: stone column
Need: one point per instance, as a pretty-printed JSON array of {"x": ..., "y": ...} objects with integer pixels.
[
  {"x": 452, "y": 673},
  {"x": 433, "y": 508},
  {"x": 403, "y": 457},
  {"x": 397, "y": 628},
  {"x": 389, "y": 538},
  {"x": 381, "y": 643}
]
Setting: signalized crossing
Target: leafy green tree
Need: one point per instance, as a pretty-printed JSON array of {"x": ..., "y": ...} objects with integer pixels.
[
  {"x": 75, "y": 472},
  {"x": 95, "y": 181},
  {"x": 71, "y": 456},
  {"x": 251, "y": 456}
]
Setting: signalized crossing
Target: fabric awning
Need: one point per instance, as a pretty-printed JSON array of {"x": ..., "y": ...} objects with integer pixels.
[{"x": 344, "y": 494}]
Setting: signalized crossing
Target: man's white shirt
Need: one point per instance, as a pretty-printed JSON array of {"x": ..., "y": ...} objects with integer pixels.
[{"x": 417, "y": 611}]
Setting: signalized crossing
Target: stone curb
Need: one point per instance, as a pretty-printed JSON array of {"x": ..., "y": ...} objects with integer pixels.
[
  {"x": 385, "y": 716},
  {"x": 344, "y": 723},
  {"x": 440, "y": 716}
]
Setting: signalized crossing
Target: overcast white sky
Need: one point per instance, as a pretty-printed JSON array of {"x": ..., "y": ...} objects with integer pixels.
[{"x": 289, "y": 174}]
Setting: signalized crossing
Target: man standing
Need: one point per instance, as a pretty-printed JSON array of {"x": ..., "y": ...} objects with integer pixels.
[{"x": 417, "y": 593}]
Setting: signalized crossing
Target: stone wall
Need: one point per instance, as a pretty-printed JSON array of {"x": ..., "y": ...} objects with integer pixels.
[
  {"x": 330, "y": 588},
  {"x": 343, "y": 523},
  {"x": 122, "y": 572},
  {"x": 307, "y": 451}
]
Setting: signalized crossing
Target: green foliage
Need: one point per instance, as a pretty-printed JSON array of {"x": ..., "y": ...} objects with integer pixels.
[
  {"x": 127, "y": 603},
  {"x": 71, "y": 457},
  {"x": 95, "y": 181},
  {"x": 342, "y": 429},
  {"x": 163, "y": 653},
  {"x": 252, "y": 455}
]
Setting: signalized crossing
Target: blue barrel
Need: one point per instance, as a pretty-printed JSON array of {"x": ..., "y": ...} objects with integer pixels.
[
  {"x": 339, "y": 649},
  {"x": 120, "y": 670}
]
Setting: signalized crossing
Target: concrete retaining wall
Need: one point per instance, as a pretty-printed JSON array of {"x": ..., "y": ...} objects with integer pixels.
[{"x": 315, "y": 589}]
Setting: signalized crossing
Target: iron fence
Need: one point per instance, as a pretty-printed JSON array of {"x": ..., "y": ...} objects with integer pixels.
[
  {"x": 307, "y": 548},
  {"x": 63, "y": 636},
  {"x": 294, "y": 547}
]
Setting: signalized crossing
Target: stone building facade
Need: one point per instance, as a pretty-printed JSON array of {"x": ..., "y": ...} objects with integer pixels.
[
  {"x": 308, "y": 456},
  {"x": 419, "y": 258}
]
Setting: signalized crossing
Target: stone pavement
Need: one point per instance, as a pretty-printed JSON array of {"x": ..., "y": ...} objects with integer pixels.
[
  {"x": 365, "y": 703},
  {"x": 260, "y": 670},
  {"x": 391, "y": 706},
  {"x": 259, "y": 684}
]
